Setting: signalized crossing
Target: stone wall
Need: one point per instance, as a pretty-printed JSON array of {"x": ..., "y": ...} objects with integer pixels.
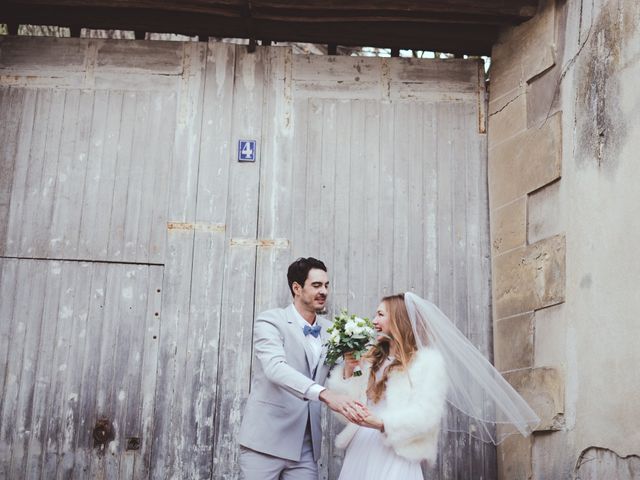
[{"x": 564, "y": 137}]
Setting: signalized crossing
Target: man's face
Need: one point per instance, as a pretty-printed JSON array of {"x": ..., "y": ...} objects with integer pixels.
[{"x": 312, "y": 296}]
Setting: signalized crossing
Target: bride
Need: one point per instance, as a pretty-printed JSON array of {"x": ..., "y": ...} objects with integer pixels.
[{"x": 420, "y": 363}]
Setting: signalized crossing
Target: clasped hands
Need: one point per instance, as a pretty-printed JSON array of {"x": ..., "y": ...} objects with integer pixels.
[{"x": 354, "y": 410}]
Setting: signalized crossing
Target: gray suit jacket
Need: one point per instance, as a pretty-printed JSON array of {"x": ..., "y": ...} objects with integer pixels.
[{"x": 276, "y": 413}]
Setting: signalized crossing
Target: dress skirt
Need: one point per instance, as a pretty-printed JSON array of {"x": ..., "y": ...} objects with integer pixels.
[{"x": 368, "y": 458}]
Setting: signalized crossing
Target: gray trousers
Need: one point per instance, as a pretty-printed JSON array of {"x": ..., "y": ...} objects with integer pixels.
[{"x": 260, "y": 466}]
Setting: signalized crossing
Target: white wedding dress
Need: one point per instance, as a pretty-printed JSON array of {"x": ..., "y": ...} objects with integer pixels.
[{"x": 368, "y": 458}]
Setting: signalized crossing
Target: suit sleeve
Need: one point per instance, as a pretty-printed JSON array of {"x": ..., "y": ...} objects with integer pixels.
[{"x": 269, "y": 349}]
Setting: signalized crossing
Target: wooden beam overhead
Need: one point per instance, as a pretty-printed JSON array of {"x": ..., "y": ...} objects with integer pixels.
[{"x": 455, "y": 26}]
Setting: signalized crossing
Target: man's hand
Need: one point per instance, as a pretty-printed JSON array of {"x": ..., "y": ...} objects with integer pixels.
[{"x": 352, "y": 409}]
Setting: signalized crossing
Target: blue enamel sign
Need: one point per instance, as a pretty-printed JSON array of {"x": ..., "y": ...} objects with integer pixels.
[{"x": 246, "y": 150}]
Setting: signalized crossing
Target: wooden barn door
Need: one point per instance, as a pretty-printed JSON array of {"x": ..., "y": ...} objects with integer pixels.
[
  {"x": 86, "y": 151},
  {"x": 152, "y": 195},
  {"x": 378, "y": 167}
]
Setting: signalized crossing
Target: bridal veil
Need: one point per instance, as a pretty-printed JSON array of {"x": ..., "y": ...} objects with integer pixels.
[{"x": 492, "y": 408}]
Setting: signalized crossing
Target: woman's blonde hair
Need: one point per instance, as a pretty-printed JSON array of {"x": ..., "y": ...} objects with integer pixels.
[{"x": 401, "y": 335}]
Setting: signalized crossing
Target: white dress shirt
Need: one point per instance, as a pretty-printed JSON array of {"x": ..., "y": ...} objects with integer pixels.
[{"x": 313, "y": 392}]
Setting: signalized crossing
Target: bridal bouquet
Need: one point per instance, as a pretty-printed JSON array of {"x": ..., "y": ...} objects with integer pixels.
[{"x": 349, "y": 333}]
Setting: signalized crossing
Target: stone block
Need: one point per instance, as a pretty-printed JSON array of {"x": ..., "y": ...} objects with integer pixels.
[
  {"x": 509, "y": 226},
  {"x": 509, "y": 120},
  {"x": 529, "y": 278},
  {"x": 513, "y": 342},
  {"x": 543, "y": 389},
  {"x": 525, "y": 162},
  {"x": 543, "y": 215},
  {"x": 543, "y": 97},
  {"x": 514, "y": 458},
  {"x": 529, "y": 45},
  {"x": 549, "y": 457},
  {"x": 550, "y": 336}
]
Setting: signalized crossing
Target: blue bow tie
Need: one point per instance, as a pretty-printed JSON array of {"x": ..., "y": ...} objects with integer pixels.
[{"x": 315, "y": 330}]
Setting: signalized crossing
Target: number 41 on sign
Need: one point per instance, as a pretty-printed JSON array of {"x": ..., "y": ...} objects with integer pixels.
[{"x": 246, "y": 150}]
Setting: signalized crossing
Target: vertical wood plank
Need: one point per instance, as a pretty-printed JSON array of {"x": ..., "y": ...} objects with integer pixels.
[
  {"x": 303, "y": 111},
  {"x": 155, "y": 155},
  {"x": 153, "y": 315},
  {"x": 276, "y": 176},
  {"x": 430, "y": 201},
  {"x": 11, "y": 119},
  {"x": 27, "y": 358},
  {"x": 371, "y": 196},
  {"x": 119, "y": 197},
  {"x": 169, "y": 453},
  {"x": 138, "y": 185},
  {"x": 92, "y": 208},
  {"x": 106, "y": 188},
  {"x": 82, "y": 274},
  {"x": 401, "y": 212},
  {"x": 356, "y": 225},
  {"x": 54, "y": 436},
  {"x": 239, "y": 289},
  {"x": 91, "y": 374},
  {"x": 41, "y": 409},
  {"x": 340, "y": 274},
  {"x": 209, "y": 254},
  {"x": 9, "y": 304},
  {"x": 386, "y": 195}
]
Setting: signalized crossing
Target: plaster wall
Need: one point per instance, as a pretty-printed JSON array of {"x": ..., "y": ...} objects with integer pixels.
[{"x": 582, "y": 323}]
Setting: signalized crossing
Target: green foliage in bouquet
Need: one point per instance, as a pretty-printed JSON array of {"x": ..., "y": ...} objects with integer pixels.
[{"x": 349, "y": 333}]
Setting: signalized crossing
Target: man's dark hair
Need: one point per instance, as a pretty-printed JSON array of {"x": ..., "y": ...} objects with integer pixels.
[{"x": 299, "y": 270}]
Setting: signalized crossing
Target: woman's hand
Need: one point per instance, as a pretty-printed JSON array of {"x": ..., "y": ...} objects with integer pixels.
[
  {"x": 350, "y": 363},
  {"x": 372, "y": 422}
]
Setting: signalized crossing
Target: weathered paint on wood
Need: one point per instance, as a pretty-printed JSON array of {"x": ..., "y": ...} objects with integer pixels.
[
  {"x": 123, "y": 190},
  {"x": 80, "y": 335}
]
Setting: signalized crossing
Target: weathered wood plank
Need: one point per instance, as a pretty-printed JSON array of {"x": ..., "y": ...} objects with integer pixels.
[
  {"x": 148, "y": 371},
  {"x": 447, "y": 467},
  {"x": 304, "y": 112},
  {"x": 11, "y": 100},
  {"x": 428, "y": 124},
  {"x": 40, "y": 410},
  {"x": 357, "y": 223},
  {"x": 26, "y": 193},
  {"x": 37, "y": 54},
  {"x": 372, "y": 225},
  {"x": 90, "y": 372},
  {"x": 54, "y": 434},
  {"x": 276, "y": 177},
  {"x": 209, "y": 253},
  {"x": 401, "y": 214},
  {"x": 157, "y": 57},
  {"x": 163, "y": 154},
  {"x": 386, "y": 193},
  {"x": 76, "y": 176},
  {"x": 170, "y": 454},
  {"x": 236, "y": 332},
  {"x": 340, "y": 274},
  {"x": 9, "y": 297},
  {"x": 93, "y": 209},
  {"x": 81, "y": 274}
]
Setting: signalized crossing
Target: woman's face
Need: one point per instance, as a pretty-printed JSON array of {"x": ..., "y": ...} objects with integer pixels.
[{"x": 381, "y": 321}]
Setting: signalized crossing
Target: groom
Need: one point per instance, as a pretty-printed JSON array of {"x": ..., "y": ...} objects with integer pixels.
[{"x": 280, "y": 434}]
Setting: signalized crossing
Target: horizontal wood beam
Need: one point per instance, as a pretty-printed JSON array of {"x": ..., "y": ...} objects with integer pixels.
[{"x": 463, "y": 38}]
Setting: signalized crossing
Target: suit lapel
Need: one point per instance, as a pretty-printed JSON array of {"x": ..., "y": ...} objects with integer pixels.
[{"x": 293, "y": 323}]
